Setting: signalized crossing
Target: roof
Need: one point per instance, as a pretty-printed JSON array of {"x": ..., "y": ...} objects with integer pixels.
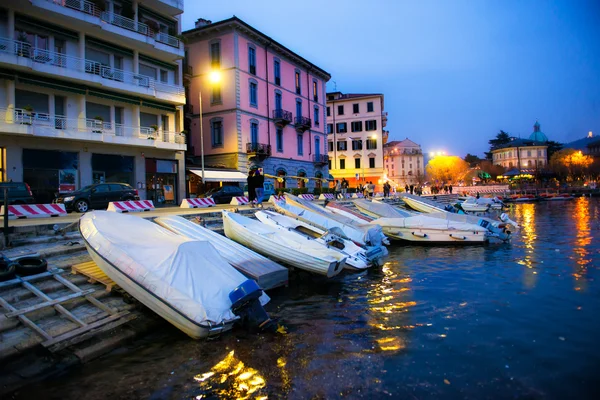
[
  {"x": 403, "y": 143},
  {"x": 349, "y": 96},
  {"x": 520, "y": 143},
  {"x": 537, "y": 134},
  {"x": 235, "y": 21}
]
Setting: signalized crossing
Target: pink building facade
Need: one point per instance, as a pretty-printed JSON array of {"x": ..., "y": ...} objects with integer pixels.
[{"x": 262, "y": 104}]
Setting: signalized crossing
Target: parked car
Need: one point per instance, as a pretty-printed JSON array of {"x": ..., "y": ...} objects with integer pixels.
[
  {"x": 269, "y": 190},
  {"x": 97, "y": 196},
  {"x": 18, "y": 193},
  {"x": 223, "y": 195}
]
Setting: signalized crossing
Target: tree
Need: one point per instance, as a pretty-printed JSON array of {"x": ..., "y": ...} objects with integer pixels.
[
  {"x": 570, "y": 164},
  {"x": 490, "y": 168},
  {"x": 501, "y": 138},
  {"x": 472, "y": 160},
  {"x": 446, "y": 168},
  {"x": 553, "y": 147}
]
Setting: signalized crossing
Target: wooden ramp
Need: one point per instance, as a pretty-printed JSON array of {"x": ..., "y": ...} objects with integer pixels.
[{"x": 92, "y": 271}]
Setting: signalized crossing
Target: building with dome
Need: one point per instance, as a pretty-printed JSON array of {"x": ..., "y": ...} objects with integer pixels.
[{"x": 525, "y": 155}]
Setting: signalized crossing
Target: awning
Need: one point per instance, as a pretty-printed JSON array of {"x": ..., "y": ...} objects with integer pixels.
[{"x": 220, "y": 176}]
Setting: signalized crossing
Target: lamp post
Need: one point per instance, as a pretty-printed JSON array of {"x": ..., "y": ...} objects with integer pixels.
[{"x": 215, "y": 78}]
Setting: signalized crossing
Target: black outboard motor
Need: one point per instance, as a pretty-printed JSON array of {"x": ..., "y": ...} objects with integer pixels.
[{"x": 245, "y": 304}]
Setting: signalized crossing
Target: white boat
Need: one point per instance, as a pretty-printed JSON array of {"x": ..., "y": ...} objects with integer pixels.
[
  {"x": 471, "y": 205},
  {"x": 184, "y": 281},
  {"x": 421, "y": 228},
  {"x": 356, "y": 256},
  {"x": 340, "y": 209},
  {"x": 284, "y": 246},
  {"x": 269, "y": 274}
]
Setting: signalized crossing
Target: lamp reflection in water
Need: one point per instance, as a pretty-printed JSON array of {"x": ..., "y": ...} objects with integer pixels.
[
  {"x": 230, "y": 378},
  {"x": 525, "y": 214},
  {"x": 581, "y": 215}
]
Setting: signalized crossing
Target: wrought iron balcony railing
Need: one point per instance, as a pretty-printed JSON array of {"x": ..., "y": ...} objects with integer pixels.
[
  {"x": 259, "y": 149},
  {"x": 282, "y": 117},
  {"x": 302, "y": 123}
]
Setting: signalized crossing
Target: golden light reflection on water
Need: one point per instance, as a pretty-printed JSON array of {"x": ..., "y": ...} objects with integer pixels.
[
  {"x": 581, "y": 215},
  {"x": 231, "y": 378},
  {"x": 525, "y": 214}
]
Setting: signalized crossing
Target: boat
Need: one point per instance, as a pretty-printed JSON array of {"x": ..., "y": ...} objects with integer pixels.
[
  {"x": 356, "y": 255},
  {"x": 556, "y": 197},
  {"x": 471, "y": 204},
  {"x": 284, "y": 246},
  {"x": 267, "y": 273},
  {"x": 419, "y": 228},
  {"x": 184, "y": 281},
  {"x": 340, "y": 209}
]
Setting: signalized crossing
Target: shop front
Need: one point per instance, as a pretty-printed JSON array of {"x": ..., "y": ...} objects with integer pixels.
[
  {"x": 113, "y": 168},
  {"x": 161, "y": 181},
  {"x": 49, "y": 173},
  {"x": 214, "y": 178}
]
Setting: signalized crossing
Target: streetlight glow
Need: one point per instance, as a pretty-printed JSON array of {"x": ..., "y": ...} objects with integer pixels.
[
  {"x": 214, "y": 77},
  {"x": 374, "y": 137}
]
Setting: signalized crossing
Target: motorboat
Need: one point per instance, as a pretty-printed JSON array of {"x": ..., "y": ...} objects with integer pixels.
[
  {"x": 420, "y": 228},
  {"x": 556, "y": 197},
  {"x": 284, "y": 246},
  {"x": 356, "y": 255},
  {"x": 471, "y": 204},
  {"x": 340, "y": 209},
  {"x": 184, "y": 281},
  {"x": 243, "y": 259}
]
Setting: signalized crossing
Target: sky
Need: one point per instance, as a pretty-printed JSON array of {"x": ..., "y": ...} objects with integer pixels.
[{"x": 453, "y": 72}]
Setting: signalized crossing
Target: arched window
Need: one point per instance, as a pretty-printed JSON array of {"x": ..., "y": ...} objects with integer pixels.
[
  {"x": 301, "y": 179},
  {"x": 280, "y": 181}
]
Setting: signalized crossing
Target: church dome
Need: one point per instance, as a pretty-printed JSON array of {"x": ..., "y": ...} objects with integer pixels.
[{"x": 537, "y": 134}]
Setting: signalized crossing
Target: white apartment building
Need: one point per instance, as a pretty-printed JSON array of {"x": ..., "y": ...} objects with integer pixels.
[
  {"x": 404, "y": 162},
  {"x": 91, "y": 91},
  {"x": 356, "y": 137}
]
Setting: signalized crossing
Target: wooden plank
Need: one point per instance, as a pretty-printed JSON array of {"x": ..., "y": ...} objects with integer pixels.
[
  {"x": 48, "y": 303},
  {"x": 93, "y": 332},
  {"x": 100, "y": 305},
  {"x": 26, "y": 321},
  {"x": 30, "y": 278},
  {"x": 92, "y": 271},
  {"x": 57, "y": 307},
  {"x": 84, "y": 329}
]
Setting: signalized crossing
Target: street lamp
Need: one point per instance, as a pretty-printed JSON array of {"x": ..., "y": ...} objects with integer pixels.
[{"x": 214, "y": 78}]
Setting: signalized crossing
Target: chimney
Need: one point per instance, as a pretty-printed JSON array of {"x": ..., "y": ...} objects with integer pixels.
[{"x": 200, "y": 22}]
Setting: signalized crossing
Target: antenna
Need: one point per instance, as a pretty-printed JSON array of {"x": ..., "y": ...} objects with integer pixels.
[{"x": 334, "y": 86}]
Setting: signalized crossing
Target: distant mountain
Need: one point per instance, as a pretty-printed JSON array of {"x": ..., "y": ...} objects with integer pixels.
[{"x": 581, "y": 144}]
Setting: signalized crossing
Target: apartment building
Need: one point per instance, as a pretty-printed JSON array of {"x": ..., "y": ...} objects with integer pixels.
[
  {"x": 356, "y": 137},
  {"x": 263, "y": 105},
  {"x": 404, "y": 162},
  {"x": 526, "y": 155},
  {"x": 91, "y": 91}
]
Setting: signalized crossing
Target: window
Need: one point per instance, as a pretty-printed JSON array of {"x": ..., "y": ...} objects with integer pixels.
[
  {"x": 330, "y": 145},
  {"x": 216, "y": 132},
  {"x": 215, "y": 97},
  {"x": 371, "y": 144},
  {"x": 298, "y": 108},
  {"x": 342, "y": 163},
  {"x": 539, "y": 153},
  {"x": 340, "y": 110},
  {"x": 342, "y": 145},
  {"x": 371, "y": 162},
  {"x": 254, "y": 132},
  {"x": 215, "y": 55},
  {"x": 329, "y": 128},
  {"x": 357, "y": 144},
  {"x": 300, "y": 144},
  {"x": 356, "y": 126},
  {"x": 330, "y": 97},
  {"x": 355, "y": 108},
  {"x": 316, "y": 116},
  {"x": 297, "y": 81},
  {"x": 341, "y": 127},
  {"x": 278, "y": 102},
  {"x": 371, "y": 125},
  {"x": 279, "y": 139},
  {"x": 328, "y": 111},
  {"x": 317, "y": 146},
  {"x": 164, "y": 76},
  {"x": 357, "y": 163},
  {"x": 528, "y": 153},
  {"x": 277, "y": 71},
  {"x": 253, "y": 93},
  {"x": 252, "y": 60},
  {"x": 370, "y": 106},
  {"x": 329, "y": 163},
  {"x": 315, "y": 91}
]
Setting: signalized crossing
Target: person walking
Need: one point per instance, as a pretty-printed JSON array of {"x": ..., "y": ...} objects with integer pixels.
[
  {"x": 337, "y": 188},
  {"x": 406, "y": 188},
  {"x": 450, "y": 188},
  {"x": 371, "y": 189},
  {"x": 412, "y": 189},
  {"x": 344, "y": 187},
  {"x": 259, "y": 181},
  {"x": 251, "y": 188},
  {"x": 386, "y": 190}
]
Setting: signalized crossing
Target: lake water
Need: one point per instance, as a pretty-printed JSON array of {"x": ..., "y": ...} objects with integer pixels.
[{"x": 519, "y": 320}]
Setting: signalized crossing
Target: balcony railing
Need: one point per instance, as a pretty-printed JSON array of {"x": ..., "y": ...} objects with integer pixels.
[
  {"x": 302, "y": 123},
  {"x": 80, "y": 5},
  {"x": 41, "y": 56},
  {"x": 188, "y": 70},
  {"x": 320, "y": 158},
  {"x": 282, "y": 117},
  {"x": 259, "y": 149},
  {"x": 89, "y": 125}
]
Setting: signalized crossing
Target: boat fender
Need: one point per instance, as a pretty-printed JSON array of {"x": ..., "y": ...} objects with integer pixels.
[
  {"x": 458, "y": 237},
  {"x": 246, "y": 305},
  {"x": 419, "y": 234}
]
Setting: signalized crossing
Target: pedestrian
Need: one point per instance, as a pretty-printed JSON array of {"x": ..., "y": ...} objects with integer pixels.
[
  {"x": 371, "y": 189},
  {"x": 406, "y": 188},
  {"x": 450, "y": 189},
  {"x": 360, "y": 188},
  {"x": 337, "y": 188},
  {"x": 259, "y": 181},
  {"x": 386, "y": 189},
  {"x": 251, "y": 188},
  {"x": 344, "y": 186},
  {"x": 412, "y": 189}
]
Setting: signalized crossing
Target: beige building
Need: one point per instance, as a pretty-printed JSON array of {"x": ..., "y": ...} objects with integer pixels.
[
  {"x": 525, "y": 155},
  {"x": 403, "y": 162}
]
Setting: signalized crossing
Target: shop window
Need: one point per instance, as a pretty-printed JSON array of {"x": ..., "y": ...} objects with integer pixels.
[
  {"x": 49, "y": 173},
  {"x": 112, "y": 168}
]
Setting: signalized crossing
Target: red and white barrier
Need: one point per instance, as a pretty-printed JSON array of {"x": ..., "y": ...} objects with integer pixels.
[
  {"x": 197, "y": 203},
  {"x": 326, "y": 196},
  {"x": 35, "y": 211},
  {"x": 130, "y": 206},
  {"x": 307, "y": 196},
  {"x": 358, "y": 196},
  {"x": 273, "y": 199},
  {"x": 239, "y": 201},
  {"x": 345, "y": 196}
]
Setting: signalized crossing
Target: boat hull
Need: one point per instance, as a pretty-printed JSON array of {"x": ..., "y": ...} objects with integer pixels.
[{"x": 423, "y": 236}]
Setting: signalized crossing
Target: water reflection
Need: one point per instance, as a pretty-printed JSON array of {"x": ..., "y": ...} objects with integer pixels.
[
  {"x": 525, "y": 215},
  {"x": 581, "y": 216}
]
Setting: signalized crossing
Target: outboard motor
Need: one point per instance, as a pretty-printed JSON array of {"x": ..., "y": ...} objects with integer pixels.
[
  {"x": 504, "y": 218},
  {"x": 245, "y": 304}
]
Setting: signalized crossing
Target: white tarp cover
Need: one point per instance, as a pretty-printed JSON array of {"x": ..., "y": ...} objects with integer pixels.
[
  {"x": 187, "y": 274},
  {"x": 221, "y": 176},
  {"x": 423, "y": 222},
  {"x": 381, "y": 209}
]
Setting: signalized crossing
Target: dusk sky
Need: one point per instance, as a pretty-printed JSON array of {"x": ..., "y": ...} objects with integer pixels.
[{"x": 453, "y": 72}]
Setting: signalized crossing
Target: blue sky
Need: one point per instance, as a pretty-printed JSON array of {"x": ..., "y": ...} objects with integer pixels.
[{"x": 453, "y": 72}]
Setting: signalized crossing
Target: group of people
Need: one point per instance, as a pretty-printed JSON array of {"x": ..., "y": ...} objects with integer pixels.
[
  {"x": 447, "y": 189},
  {"x": 368, "y": 189},
  {"x": 414, "y": 189},
  {"x": 256, "y": 189}
]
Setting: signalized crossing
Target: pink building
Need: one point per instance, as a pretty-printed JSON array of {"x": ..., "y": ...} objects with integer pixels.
[{"x": 262, "y": 104}]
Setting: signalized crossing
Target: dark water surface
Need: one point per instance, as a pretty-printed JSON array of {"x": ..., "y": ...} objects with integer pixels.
[{"x": 519, "y": 320}]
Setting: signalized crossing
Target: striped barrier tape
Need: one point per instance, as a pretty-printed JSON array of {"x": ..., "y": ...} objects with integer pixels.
[
  {"x": 273, "y": 199},
  {"x": 326, "y": 196},
  {"x": 239, "y": 201},
  {"x": 197, "y": 203},
  {"x": 307, "y": 196},
  {"x": 130, "y": 206},
  {"x": 35, "y": 210},
  {"x": 358, "y": 196}
]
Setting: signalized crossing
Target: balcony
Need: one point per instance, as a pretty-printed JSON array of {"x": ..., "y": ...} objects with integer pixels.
[
  {"x": 302, "y": 123},
  {"x": 321, "y": 159},
  {"x": 22, "y": 54},
  {"x": 258, "y": 150},
  {"x": 29, "y": 123},
  {"x": 282, "y": 117}
]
